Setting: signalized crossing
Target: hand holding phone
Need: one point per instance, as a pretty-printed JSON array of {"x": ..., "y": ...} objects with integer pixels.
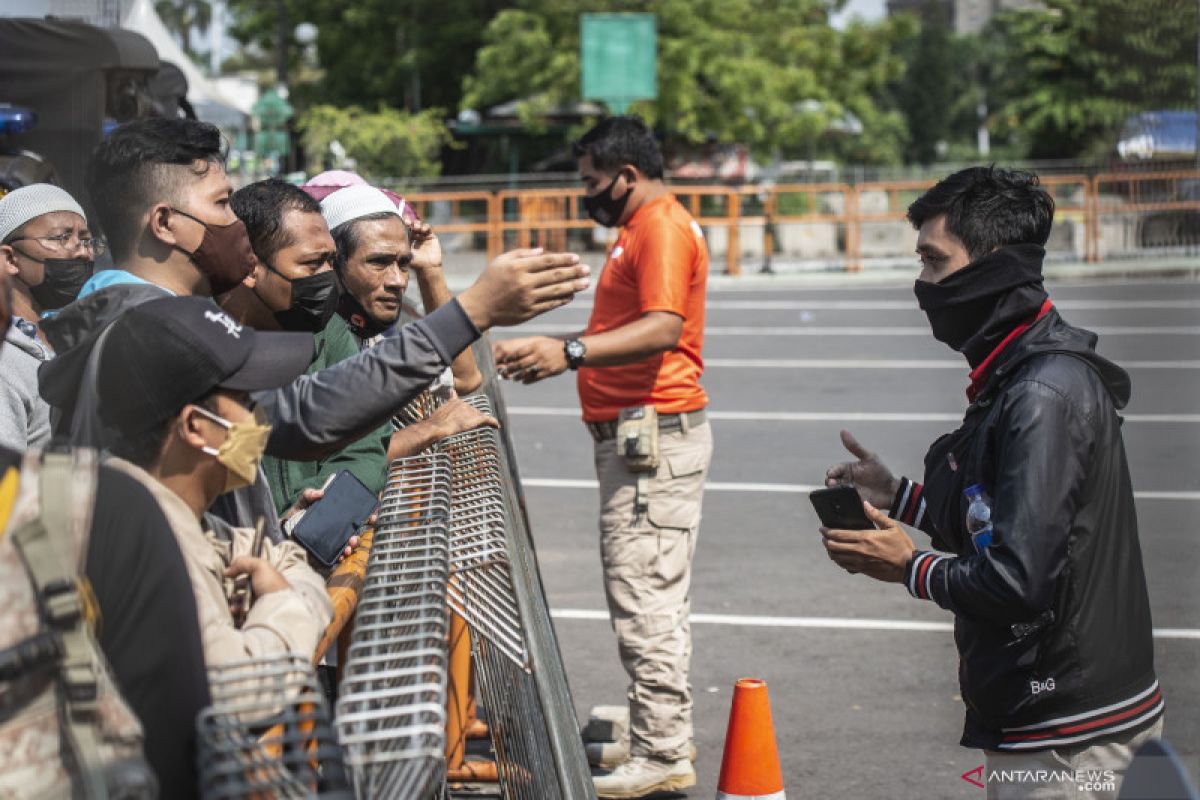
[
  {"x": 841, "y": 508},
  {"x": 329, "y": 524}
]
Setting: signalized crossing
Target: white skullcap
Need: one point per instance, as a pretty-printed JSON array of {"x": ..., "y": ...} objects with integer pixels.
[
  {"x": 355, "y": 202},
  {"x": 30, "y": 202}
]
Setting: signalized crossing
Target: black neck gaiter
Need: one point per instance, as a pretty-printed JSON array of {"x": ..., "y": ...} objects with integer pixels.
[{"x": 976, "y": 307}]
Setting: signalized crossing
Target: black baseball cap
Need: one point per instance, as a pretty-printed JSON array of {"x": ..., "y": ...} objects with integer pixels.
[{"x": 164, "y": 354}]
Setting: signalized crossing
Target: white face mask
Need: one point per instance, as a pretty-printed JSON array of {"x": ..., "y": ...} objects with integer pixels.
[{"x": 241, "y": 451}]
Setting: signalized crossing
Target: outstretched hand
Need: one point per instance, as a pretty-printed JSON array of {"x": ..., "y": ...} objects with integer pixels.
[{"x": 521, "y": 284}]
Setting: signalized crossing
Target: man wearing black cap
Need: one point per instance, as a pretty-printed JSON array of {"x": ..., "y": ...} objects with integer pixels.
[
  {"x": 149, "y": 632},
  {"x": 177, "y": 376}
]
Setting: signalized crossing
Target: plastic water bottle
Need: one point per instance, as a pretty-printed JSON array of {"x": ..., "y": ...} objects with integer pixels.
[{"x": 979, "y": 517}]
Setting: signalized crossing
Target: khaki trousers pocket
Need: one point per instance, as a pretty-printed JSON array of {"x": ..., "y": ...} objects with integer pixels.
[{"x": 676, "y": 490}]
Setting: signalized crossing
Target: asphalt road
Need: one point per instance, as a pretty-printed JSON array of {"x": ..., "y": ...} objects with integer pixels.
[{"x": 860, "y": 712}]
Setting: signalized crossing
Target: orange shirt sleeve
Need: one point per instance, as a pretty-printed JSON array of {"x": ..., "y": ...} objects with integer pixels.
[{"x": 664, "y": 263}]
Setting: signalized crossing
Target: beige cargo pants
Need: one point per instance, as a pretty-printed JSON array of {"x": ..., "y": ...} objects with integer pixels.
[
  {"x": 646, "y": 546},
  {"x": 1098, "y": 769}
]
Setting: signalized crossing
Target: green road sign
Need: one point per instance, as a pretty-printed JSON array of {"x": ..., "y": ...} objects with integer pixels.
[{"x": 619, "y": 55}]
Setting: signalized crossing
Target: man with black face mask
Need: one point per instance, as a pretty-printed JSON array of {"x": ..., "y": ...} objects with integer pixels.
[
  {"x": 293, "y": 288},
  {"x": 640, "y": 361},
  {"x": 47, "y": 251},
  {"x": 1028, "y": 504},
  {"x": 162, "y": 197}
]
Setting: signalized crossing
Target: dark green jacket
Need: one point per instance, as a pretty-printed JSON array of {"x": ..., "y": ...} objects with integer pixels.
[{"x": 366, "y": 458}]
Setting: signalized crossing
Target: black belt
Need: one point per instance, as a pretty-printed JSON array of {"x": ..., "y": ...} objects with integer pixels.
[{"x": 666, "y": 422}]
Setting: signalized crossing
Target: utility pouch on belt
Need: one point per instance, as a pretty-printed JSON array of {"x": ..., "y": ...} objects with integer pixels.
[{"x": 637, "y": 438}]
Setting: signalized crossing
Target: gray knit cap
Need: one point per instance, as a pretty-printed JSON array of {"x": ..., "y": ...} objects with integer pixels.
[{"x": 30, "y": 202}]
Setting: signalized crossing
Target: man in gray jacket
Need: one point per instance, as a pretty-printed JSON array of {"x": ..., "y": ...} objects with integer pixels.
[
  {"x": 46, "y": 250},
  {"x": 163, "y": 195}
]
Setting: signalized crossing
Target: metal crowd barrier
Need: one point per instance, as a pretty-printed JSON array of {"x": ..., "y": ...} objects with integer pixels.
[
  {"x": 391, "y": 710},
  {"x": 481, "y": 589},
  {"x": 451, "y": 533},
  {"x": 483, "y": 593},
  {"x": 267, "y": 734},
  {"x": 496, "y": 588},
  {"x": 544, "y": 741}
]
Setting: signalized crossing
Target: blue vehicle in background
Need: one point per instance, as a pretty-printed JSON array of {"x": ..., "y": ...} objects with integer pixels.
[
  {"x": 60, "y": 81},
  {"x": 1168, "y": 139}
]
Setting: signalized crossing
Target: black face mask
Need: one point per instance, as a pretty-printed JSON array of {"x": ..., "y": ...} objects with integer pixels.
[
  {"x": 604, "y": 208},
  {"x": 973, "y": 309},
  {"x": 62, "y": 278},
  {"x": 361, "y": 323},
  {"x": 314, "y": 300}
]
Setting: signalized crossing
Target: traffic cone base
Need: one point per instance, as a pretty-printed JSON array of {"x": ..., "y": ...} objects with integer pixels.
[{"x": 750, "y": 766}]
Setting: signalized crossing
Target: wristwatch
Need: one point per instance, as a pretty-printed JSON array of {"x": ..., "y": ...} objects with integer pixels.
[{"x": 575, "y": 351}]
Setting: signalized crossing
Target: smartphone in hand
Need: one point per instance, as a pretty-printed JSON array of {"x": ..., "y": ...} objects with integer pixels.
[
  {"x": 841, "y": 508},
  {"x": 329, "y": 523}
]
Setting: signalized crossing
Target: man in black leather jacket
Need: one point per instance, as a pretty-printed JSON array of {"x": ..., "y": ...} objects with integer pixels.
[{"x": 1052, "y": 617}]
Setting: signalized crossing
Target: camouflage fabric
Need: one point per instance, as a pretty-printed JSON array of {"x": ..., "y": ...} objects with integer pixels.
[{"x": 40, "y": 752}]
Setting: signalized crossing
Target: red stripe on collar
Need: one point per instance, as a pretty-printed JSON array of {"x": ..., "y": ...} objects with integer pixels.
[{"x": 979, "y": 375}]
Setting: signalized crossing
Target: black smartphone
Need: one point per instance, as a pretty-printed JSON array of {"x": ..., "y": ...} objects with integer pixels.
[
  {"x": 328, "y": 524},
  {"x": 840, "y": 507}
]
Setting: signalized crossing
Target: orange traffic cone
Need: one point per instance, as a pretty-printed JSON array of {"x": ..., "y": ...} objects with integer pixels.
[{"x": 750, "y": 766}]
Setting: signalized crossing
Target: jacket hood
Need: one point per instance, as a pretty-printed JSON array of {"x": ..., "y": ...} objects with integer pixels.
[
  {"x": 73, "y": 333},
  {"x": 82, "y": 320},
  {"x": 1052, "y": 334},
  {"x": 16, "y": 339}
]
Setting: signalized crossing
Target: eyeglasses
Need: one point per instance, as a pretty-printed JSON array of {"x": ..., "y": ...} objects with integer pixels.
[{"x": 63, "y": 243}]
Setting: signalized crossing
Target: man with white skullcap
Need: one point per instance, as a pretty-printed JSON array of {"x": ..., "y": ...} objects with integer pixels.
[
  {"x": 46, "y": 250},
  {"x": 380, "y": 243}
]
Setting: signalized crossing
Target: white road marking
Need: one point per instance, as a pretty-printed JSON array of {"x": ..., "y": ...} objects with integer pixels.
[
  {"x": 710, "y": 486},
  {"x": 783, "y": 488},
  {"x": 829, "y": 623},
  {"x": 841, "y": 416},
  {"x": 847, "y": 330},
  {"x": 882, "y": 363},
  {"x": 817, "y": 304}
]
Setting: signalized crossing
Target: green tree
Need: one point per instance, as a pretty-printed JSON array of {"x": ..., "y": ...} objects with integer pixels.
[
  {"x": 772, "y": 74},
  {"x": 404, "y": 53},
  {"x": 937, "y": 84},
  {"x": 385, "y": 143},
  {"x": 1073, "y": 71},
  {"x": 182, "y": 17}
]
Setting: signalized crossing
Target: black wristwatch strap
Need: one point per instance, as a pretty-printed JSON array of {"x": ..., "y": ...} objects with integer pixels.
[{"x": 575, "y": 351}]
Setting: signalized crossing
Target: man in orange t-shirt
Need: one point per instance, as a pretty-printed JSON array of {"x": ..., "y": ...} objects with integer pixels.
[{"x": 642, "y": 347}]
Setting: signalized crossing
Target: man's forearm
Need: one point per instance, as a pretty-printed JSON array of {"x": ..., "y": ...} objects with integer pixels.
[
  {"x": 435, "y": 293},
  {"x": 318, "y": 414},
  {"x": 412, "y": 439},
  {"x": 655, "y": 333}
]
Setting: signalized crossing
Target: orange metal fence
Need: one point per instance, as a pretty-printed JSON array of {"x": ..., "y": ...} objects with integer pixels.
[{"x": 1097, "y": 217}]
